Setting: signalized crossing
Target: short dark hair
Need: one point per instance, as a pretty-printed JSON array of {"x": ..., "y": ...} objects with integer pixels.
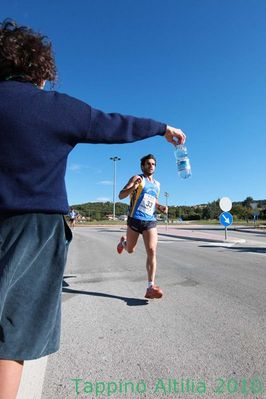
[
  {"x": 25, "y": 55},
  {"x": 149, "y": 156}
]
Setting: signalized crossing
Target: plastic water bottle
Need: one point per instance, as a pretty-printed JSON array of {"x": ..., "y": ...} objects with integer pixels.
[{"x": 182, "y": 160}]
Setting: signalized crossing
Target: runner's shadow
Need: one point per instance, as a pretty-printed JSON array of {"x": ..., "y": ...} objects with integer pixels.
[{"x": 129, "y": 301}]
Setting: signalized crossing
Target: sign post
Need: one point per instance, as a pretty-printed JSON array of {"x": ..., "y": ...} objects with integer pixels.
[
  {"x": 225, "y": 218},
  {"x": 255, "y": 213}
]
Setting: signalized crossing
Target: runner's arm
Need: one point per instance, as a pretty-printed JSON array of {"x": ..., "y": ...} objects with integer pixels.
[
  {"x": 162, "y": 208},
  {"x": 132, "y": 184}
]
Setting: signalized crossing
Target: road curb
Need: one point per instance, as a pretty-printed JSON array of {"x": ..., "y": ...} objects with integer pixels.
[{"x": 235, "y": 241}]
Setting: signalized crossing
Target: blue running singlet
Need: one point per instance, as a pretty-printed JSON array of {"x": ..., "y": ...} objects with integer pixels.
[{"x": 143, "y": 200}]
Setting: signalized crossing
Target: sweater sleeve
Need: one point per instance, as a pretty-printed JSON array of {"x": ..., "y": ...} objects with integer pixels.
[
  {"x": 85, "y": 124},
  {"x": 116, "y": 128}
]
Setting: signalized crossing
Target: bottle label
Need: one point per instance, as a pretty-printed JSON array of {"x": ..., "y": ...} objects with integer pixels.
[{"x": 183, "y": 164}]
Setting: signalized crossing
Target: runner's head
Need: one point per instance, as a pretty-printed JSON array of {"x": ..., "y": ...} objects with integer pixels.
[
  {"x": 148, "y": 164},
  {"x": 25, "y": 55}
]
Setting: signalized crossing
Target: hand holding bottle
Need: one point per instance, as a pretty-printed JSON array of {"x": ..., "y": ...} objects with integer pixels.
[{"x": 174, "y": 136}]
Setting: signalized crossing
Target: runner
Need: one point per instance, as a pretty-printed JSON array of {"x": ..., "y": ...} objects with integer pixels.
[
  {"x": 72, "y": 217},
  {"x": 144, "y": 192}
]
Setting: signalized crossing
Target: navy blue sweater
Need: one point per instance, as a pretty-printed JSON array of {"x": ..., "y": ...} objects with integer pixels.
[{"x": 38, "y": 129}]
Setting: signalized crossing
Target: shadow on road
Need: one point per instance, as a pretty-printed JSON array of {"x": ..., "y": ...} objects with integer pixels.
[
  {"x": 259, "y": 250},
  {"x": 129, "y": 301},
  {"x": 260, "y": 233},
  {"x": 189, "y": 238},
  {"x": 65, "y": 284},
  {"x": 110, "y": 230}
]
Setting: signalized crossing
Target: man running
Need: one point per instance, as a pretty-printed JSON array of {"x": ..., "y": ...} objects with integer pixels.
[
  {"x": 72, "y": 217},
  {"x": 144, "y": 192}
]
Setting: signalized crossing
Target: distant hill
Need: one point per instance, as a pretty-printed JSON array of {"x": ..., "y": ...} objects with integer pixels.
[{"x": 211, "y": 210}]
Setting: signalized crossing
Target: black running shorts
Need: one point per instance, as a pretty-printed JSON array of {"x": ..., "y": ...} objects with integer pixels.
[{"x": 140, "y": 225}]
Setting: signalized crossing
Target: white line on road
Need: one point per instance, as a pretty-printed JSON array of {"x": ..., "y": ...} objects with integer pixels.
[
  {"x": 220, "y": 244},
  {"x": 170, "y": 241}
]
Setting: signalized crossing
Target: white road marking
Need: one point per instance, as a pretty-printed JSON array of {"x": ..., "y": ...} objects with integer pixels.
[
  {"x": 170, "y": 241},
  {"x": 220, "y": 244}
]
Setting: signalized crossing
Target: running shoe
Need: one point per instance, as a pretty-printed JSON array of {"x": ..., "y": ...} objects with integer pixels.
[
  {"x": 154, "y": 292},
  {"x": 120, "y": 246}
]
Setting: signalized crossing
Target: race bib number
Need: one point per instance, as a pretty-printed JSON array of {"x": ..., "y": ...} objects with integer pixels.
[{"x": 147, "y": 204}]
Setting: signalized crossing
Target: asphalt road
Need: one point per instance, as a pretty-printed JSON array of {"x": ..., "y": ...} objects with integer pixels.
[{"x": 205, "y": 339}]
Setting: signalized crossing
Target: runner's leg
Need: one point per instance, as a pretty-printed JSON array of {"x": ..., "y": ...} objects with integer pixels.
[
  {"x": 131, "y": 240},
  {"x": 150, "y": 240}
]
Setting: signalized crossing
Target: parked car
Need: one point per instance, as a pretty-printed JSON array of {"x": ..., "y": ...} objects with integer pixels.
[{"x": 123, "y": 217}]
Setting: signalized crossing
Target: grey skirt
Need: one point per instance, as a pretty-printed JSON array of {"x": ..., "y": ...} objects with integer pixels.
[{"x": 33, "y": 251}]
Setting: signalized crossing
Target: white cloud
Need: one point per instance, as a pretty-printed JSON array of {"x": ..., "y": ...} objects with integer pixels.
[
  {"x": 75, "y": 166},
  {"x": 106, "y": 182},
  {"x": 103, "y": 199}
]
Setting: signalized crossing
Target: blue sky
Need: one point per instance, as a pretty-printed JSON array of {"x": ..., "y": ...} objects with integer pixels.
[{"x": 199, "y": 65}]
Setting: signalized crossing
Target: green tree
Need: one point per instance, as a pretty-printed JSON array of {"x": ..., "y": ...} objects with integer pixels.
[
  {"x": 247, "y": 202},
  {"x": 241, "y": 212},
  {"x": 212, "y": 210}
]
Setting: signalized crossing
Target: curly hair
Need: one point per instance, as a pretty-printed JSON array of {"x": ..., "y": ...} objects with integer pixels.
[
  {"x": 25, "y": 55},
  {"x": 144, "y": 159}
]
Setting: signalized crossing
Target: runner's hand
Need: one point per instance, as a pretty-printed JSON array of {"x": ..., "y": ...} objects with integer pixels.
[
  {"x": 174, "y": 136},
  {"x": 137, "y": 182},
  {"x": 162, "y": 208}
]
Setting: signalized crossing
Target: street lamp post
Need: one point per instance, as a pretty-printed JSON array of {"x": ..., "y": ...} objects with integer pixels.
[
  {"x": 166, "y": 204},
  {"x": 114, "y": 159}
]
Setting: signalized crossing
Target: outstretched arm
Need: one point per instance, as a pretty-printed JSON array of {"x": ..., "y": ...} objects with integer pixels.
[
  {"x": 132, "y": 184},
  {"x": 118, "y": 128}
]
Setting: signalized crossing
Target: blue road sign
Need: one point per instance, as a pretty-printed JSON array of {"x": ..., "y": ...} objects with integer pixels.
[{"x": 226, "y": 219}]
